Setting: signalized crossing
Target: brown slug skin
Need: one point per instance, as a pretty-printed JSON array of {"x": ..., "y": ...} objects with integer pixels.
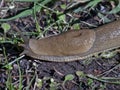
[{"x": 75, "y": 44}]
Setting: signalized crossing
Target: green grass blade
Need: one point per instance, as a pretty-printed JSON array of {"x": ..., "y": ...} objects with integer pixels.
[
  {"x": 26, "y": 12},
  {"x": 25, "y": 0},
  {"x": 92, "y": 3},
  {"x": 115, "y": 10},
  {"x": 22, "y": 14}
]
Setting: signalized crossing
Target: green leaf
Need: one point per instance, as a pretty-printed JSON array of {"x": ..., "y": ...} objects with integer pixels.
[
  {"x": 9, "y": 67},
  {"x": 80, "y": 73},
  {"x": 90, "y": 81},
  {"x": 108, "y": 54},
  {"x": 39, "y": 83},
  {"x": 76, "y": 26},
  {"x": 6, "y": 27},
  {"x": 53, "y": 84},
  {"x": 63, "y": 6},
  {"x": 69, "y": 77},
  {"x": 62, "y": 17}
]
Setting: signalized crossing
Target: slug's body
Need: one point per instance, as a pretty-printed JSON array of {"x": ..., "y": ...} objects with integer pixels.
[{"x": 75, "y": 44}]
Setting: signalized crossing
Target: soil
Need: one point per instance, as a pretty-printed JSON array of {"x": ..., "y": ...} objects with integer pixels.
[{"x": 37, "y": 69}]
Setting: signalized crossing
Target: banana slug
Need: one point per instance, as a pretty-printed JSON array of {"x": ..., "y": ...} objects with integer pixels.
[{"x": 74, "y": 44}]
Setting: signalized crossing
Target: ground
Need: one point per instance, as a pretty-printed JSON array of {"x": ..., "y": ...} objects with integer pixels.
[{"x": 23, "y": 72}]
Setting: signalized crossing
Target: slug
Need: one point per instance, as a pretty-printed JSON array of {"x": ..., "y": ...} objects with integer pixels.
[{"x": 74, "y": 44}]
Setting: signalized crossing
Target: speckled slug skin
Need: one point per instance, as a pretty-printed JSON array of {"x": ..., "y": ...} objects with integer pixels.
[{"x": 75, "y": 44}]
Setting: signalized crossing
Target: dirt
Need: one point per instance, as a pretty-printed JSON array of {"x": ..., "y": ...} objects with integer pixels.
[{"x": 44, "y": 70}]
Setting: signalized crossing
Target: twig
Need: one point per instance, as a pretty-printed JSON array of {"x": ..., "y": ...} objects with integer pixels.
[
  {"x": 108, "y": 71},
  {"x": 2, "y": 3},
  {"x": 14, "y": 60}
]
